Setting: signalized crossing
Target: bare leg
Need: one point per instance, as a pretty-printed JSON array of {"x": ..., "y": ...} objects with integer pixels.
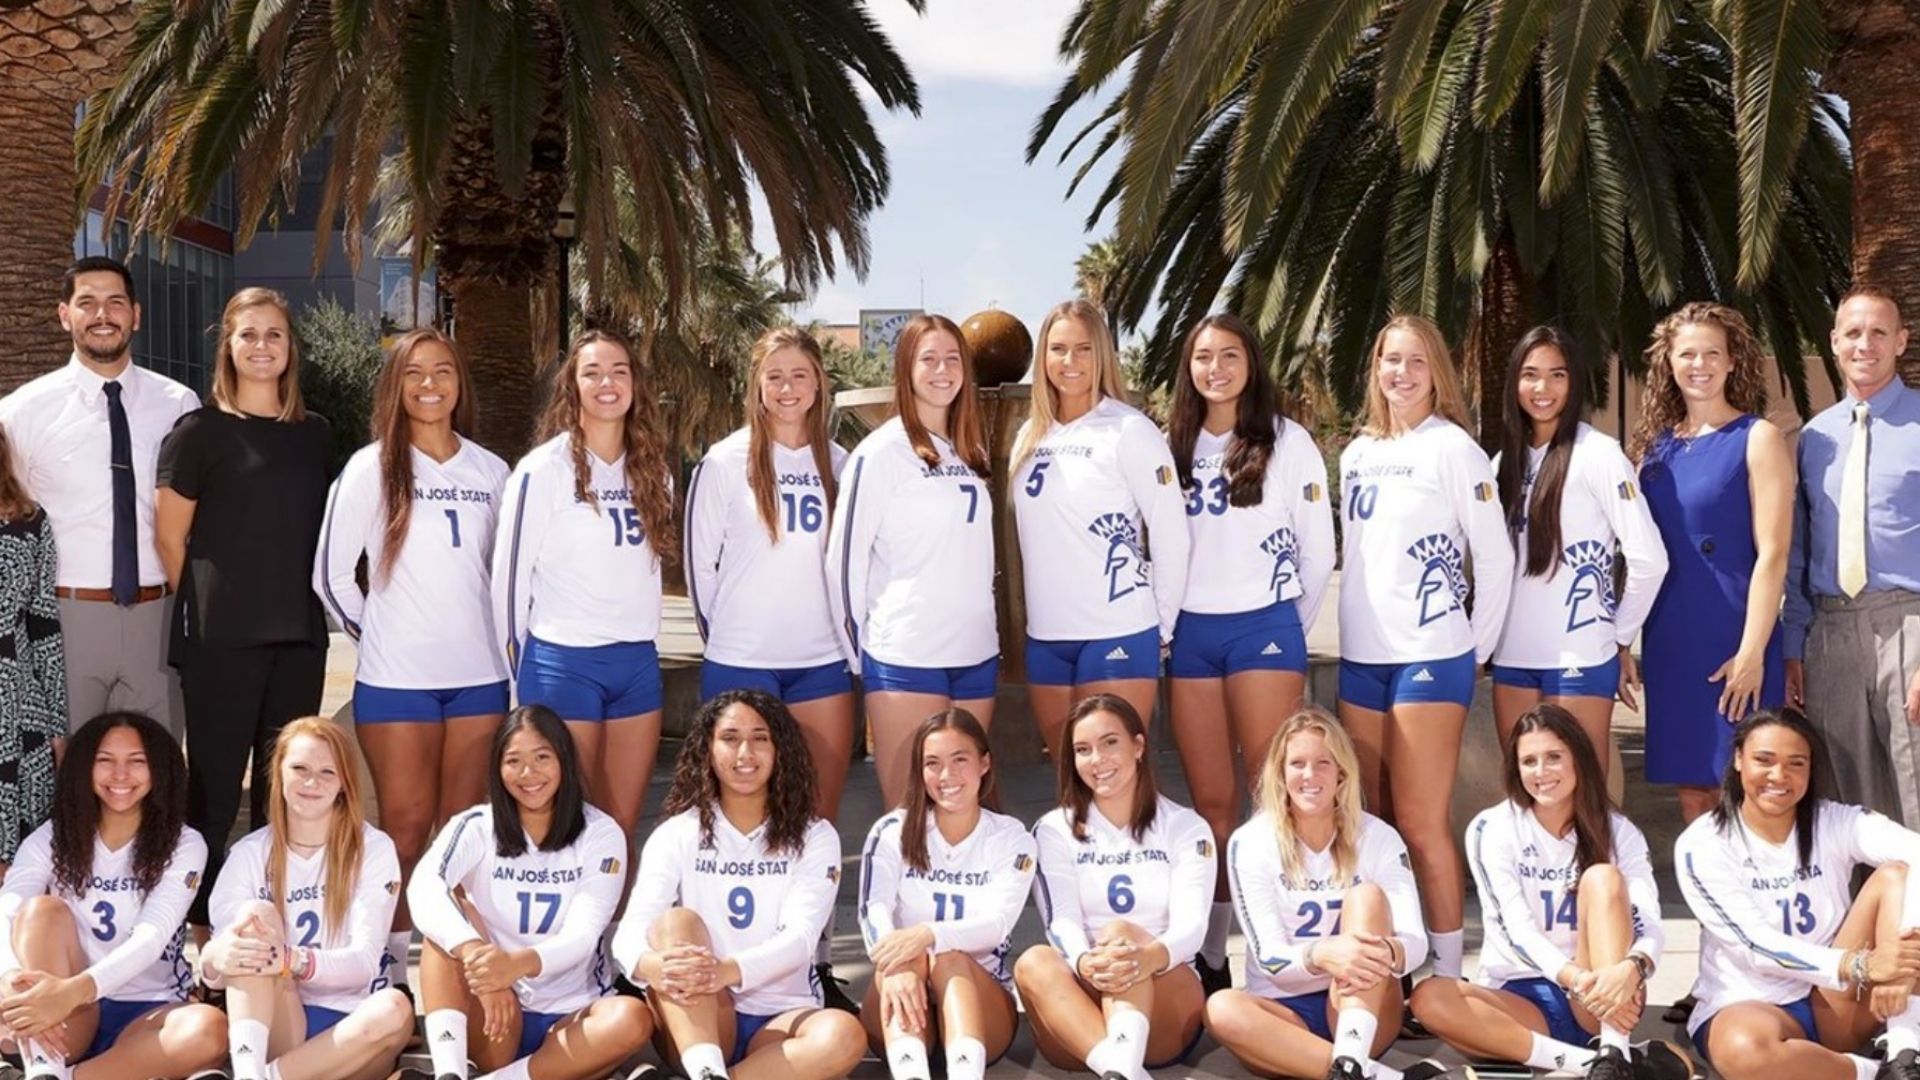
[
  {"x": 1050, "y": 705},
  {"x": 1063, "y": 1010},
  {"x": 1422, "y": 752},
  {"x": 626, "y": 768},
  {"x": 1204, "y": 740},
  {"x": 1477, "y": 1020},
  {"x": 1368, "y": 729},
  {"x": 679, "y": 1025},
  {"x": 409, "y": 796},
  {"x": 805, "y": 1044},
  {"x": 46, "y": 939},
  {"x": 364, "y": 1046},
  {"x": 1595, "y": 716},
  {"x": 1695, "y": 801},
  {"x": 973, "y": 1004},
  {"x": 172, "y": 1040},
  {"x": 593, "y": 1040},
  {"x": 1510, "y": 703},
  {"x": 892, "y": 716},
  {"x": 827, "y": 725},
  {"x": 443, "y": 985},
  {"x": 463, "y": 764}
]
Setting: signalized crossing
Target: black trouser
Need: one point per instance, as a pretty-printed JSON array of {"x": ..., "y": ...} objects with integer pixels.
[{"x": 237, "y": 701}]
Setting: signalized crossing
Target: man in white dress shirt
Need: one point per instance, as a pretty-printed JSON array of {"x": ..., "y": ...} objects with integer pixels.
[{"x": 87, "y": 438}]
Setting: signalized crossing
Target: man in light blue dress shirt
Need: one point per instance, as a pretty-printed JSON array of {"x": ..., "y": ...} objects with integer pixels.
[{"x": 1853, "y": 573}]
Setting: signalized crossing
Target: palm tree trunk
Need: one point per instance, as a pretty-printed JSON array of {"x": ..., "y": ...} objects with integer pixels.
[
  {"x": 1499, "y": 318},
  {"x": 37, "y": 222},
  {"x": 494, "y": 323}
]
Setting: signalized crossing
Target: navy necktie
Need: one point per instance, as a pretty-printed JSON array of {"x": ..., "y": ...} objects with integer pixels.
[{"x": 126, "y": 532}]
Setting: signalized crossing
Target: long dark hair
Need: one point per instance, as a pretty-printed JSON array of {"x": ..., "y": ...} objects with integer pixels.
[
  {"x": 393, "y": 430},
  {"x": 76, "y": 809},
  {"x": 649, "y": 464},
  {"x": 790, "y": 790},
  {"x": 1733, "y": 793},
  {"x": 1076, "y": 796},
  {"x": 917, "y": 804},
  {"x": 1541, "y": 513},
  {"x": 1256, "y": 418},
  {"x": 1592, "y": 825},
  {"x": 569, "y": 803}
]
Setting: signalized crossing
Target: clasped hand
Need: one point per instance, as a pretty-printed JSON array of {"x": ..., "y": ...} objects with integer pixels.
[{"x": 1357, "y": 962}]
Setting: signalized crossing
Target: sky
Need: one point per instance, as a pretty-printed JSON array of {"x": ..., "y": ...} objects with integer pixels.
[{"x": 968, "y": 224}]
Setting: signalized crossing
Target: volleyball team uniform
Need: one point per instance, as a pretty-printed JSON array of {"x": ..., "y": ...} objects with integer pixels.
[
  {"x": 350, "y": 962},
  {"x": 424, "y": 638},
  {"x": 970, "y": 895},
  {"x": 763, "y": 910},
  {"x": 1564, "y": 631},
  {"x": 1161, "y": 883},
  {"x": 1526, "y": 877},
  {"x": 1227, "y": 625},
  {"x": 557, "y": 903},
  {"x": 135, "y": 943},
  {"x": 1767, "y": 926},
  {"x": 761, "y": 601},
  {"x": 1417, "y": 508},
  {"x": 910, "y": 570},
  {"x": 576, "y": 588},
  {"x": 1093, "y": 495},
  {"x": 1282, "y": 919}
]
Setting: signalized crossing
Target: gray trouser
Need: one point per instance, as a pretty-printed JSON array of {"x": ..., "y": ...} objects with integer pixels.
[
  {"x": 1860, "y": 655},
  {"x": 117, "y": 659}
]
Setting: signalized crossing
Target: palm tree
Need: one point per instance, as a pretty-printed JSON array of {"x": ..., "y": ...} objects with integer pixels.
[
  {"x": 487, "y": 114},
  {"x": 1096, "y": 271},
  {"x": 53, "y": 53}
]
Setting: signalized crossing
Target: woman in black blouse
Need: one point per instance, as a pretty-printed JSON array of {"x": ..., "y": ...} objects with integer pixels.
[
  {"x": 242, "y": 486},
  {"x": 33, "y": 665}
]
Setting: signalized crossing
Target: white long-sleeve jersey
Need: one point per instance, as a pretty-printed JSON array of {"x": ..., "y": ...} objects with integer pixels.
[
  {"x": 1418, "y": 509},
  {"x": 1282, "y": 919},
  {"x": 971, "y": 893},
  {"x": 1526, "y": 881},
  {"x": 1571, "y": 617},
  {"x": 557, "y": 903},
  {"x": 910, "y": 556},
  {"x": 350, "y": 961},
  {"x": 1162, "y": 883},
  {"x": 1286, "y": 541},
  {"x": 571, "y": 572},
  {"x": 428, "y": 625},
  {"x": 1767, "y": 926},
  {"x": 135, "y": 943},
  {"x": 763, "y": 911},
  {"x": 1103, "y": 538},
  {"x": 758, "y": 602}
]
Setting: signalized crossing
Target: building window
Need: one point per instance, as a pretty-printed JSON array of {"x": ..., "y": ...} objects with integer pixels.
[{"x": 182, "y": 290}]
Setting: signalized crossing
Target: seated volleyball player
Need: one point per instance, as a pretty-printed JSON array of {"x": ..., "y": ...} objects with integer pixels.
[
  {"x": 1126, "y": 878},
  {"x": 734, "y": 886},
  {"x": 1331, "y": 913},
  {"x": 942, "y": 881},
  {"x": 93, "y": 914},
  {"x": 300, "y": 916},
  {"x": 1794, "y": 977},
  {"x": 1572, "y": 917},
  {"x": 512, "y": 900}
]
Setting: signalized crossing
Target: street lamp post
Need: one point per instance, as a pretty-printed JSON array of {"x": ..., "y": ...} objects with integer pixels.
[{"x": 563, "y": 234}]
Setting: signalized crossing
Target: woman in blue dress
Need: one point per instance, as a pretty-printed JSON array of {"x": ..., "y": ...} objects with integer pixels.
[{"x": 1719, "y": 481}]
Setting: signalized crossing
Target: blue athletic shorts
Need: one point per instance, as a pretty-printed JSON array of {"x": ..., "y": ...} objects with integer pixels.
[
  {"x": 1801, "y": 1011},
  {"x": 320, "y": 1020},
  {"x": 380, "y": 705},
  {"x": 533, "y": 1030},
  {"x": 1547, "y": 996},
  {"x": 1380, "y": 687},
  {"x": 114, "y": 1018},
  {"x": 970, "y": 683},
  {"x": 745, "y": 1027},
  {"x": 1602, "y": 681},
  {"x": 791, "y": 685},
  {"x": 1215, "y": 646},
  {"x": 1075, "y": 663},
  {"x": 1312, "y": 1009},
  {"x": 592, "y": 682}
]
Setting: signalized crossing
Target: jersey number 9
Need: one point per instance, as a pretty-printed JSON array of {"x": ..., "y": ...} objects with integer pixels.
[{"x": 740, "y": 908}]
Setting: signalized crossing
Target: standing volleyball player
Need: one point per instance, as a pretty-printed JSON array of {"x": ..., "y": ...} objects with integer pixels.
[
  {"x": 942, "y": 881},
  {"x": 1571, "y": 503},
  {"x": 1092, "y": 487},
  {"x": 587, "y": 518},
  {"x": 1257, "y": 513},
  {"x": 513, "y": 901},
  {"x": 1420, "y": 506},
  {"x": 910, "y": 555},
  {"x": 300, "y": 917},
  {"x": 430, "y": 684},
  {"x": 735, "y": 885},
  {"x": 93, "y": 916},
  {"x": 1125, "y": 878}
]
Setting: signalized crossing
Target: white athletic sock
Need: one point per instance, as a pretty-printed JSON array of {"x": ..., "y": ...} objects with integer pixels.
[
  {"x": 447, "y": 1042},
  {"x": 515, "y": 1071},
  {"x": 1903, "y": 1028},
  {"x": 398, "y": 943},
  {"x": 1553, "y": 1055},
  {"x": 966, "y": 1059},
  {"x": 1124, "y": 1050},
  {"x": 1864, "y": 1068},
  {"x": 907, "y": 1058},
  {"x": 1353, "y": 1032},
  {"x": 1622, "y": 1041},
  {"x": 703, "y": 1060},
  {"x": 1448, "y": 950},
  {"x": 247, "y": 1045},
  {"x": 1219, "y": 924},
  {"x": 41, "y": 1061},
  {"x": 273, "y": 1071}
]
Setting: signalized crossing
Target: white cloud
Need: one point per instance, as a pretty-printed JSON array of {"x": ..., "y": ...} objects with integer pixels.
[{"x": 1012, "y": 42}]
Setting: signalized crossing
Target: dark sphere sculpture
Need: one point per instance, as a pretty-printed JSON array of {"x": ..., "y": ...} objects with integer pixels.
[{"x": 1001, "y": 346}]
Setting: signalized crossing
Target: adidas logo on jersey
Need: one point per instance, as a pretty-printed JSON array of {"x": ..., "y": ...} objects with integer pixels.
[
  {"x": 1271, "y": 650},
  {"x": 1118, "y": 652},
  {"x": 1423, "y": 675}
]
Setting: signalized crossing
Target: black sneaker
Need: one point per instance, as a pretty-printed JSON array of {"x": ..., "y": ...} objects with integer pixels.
[
  {"x": 1410, "y": 1025},
  {"x": 1429, "y": 1069},
  {"x": 1680, "y": 1011},
  {"x": 1213, "y": 979},
  {"x": 1904, "y": 1065},
  {"x": 1661, "y": 1060},
  {"x": 413, "y": 1073},
  {"x": 211, "y": 1074},
  {"x": 831, "y": 992},
  {"x": 1345, "y": 1068},
  {"x": 1609, "y": 1064}
]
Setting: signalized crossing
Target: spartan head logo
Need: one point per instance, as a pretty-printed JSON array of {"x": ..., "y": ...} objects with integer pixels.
[
  {"x": 1286, "y": 559},
  {"x": 1443, "y": 576},
  {"x": 1126, "y": 562},
  {"x": 1590, "y": 591}
]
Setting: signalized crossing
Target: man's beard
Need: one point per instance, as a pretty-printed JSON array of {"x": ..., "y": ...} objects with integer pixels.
[{"x": 100, "y": 352}]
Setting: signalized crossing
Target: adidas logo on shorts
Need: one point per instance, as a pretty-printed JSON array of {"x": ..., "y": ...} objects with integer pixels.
[
  {"x": 1271, "y": 650},
  {"x": 1572, "y": 673},
  {"x": 1423, "y": 675},
  {"x": 1118, "y": 652}
]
